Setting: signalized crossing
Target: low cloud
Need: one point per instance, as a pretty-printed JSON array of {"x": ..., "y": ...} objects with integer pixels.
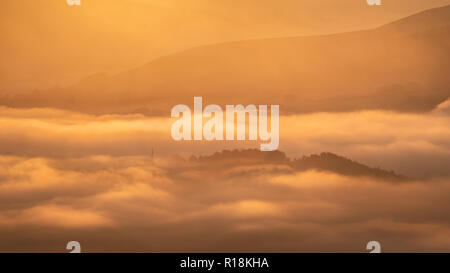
[
  {"x": 69, "y": 176},
  {"x": 136, "y": 203},
  {"x": 415, "y": 145}
]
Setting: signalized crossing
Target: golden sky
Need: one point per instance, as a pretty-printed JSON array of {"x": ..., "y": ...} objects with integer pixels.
[{"x": 47, "y": 43}]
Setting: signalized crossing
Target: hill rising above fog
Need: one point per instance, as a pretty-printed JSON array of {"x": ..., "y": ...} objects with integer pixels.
[
  {"x": 401, "y": 66},
  {"x": 323, "y": 162}
]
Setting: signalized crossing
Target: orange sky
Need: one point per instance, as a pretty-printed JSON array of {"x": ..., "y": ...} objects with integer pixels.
[{"x": 47, "y": 42}]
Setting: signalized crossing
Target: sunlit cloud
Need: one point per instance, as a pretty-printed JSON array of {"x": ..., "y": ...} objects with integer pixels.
[
  {"x": 412, "y": 144},
  {"x": 274, "y": 208}
]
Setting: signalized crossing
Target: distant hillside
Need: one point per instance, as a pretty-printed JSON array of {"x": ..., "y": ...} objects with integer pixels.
[
  {"x": 338, "y": 164},
  {"x": 401, "y": 66},
  {"x": 323, "y": 162}
]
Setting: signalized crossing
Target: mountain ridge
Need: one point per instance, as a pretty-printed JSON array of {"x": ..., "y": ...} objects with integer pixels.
[{"x": 382, "y": 68}]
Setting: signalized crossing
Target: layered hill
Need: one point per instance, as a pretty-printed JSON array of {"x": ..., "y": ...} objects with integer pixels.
[{"x": 401, "y": 66}]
